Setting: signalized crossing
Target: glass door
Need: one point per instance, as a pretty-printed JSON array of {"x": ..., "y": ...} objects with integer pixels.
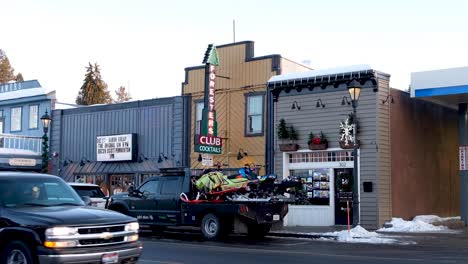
[{"x": 343, "y": 196}]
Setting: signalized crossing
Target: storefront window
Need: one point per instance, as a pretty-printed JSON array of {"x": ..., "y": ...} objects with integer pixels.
[
  {"x": 316, "y": 185},
  {"x": 120, "y": 183},
  {"x": 321, "y": 156},
  {"x": 85, "y": 178}
]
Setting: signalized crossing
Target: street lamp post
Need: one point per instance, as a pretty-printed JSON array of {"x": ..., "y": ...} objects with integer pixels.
[
  {"x": 45, "y": 119},
  {"x": 354, "y": 89}
]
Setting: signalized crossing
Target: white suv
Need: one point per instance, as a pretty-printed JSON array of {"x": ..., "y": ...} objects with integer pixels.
[{"x": 93, "y": 191}]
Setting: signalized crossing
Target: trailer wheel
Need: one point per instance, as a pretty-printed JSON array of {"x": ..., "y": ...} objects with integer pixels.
[
  {"x": 258, "y": 230},
  {"x": 211, "y": 227}
]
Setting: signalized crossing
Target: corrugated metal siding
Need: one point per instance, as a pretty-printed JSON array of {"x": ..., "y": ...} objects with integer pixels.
[
  {"x": 158, "y": 124},
  {"x": 55, "y": 140},
  {"x": 310, "y": 118}
]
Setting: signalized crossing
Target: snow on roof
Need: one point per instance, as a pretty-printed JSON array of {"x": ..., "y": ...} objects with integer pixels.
[
  {"x": 322, "y": 72},
  {"x": 22, "y": 93},
  {"x": 60, "y": 105}
]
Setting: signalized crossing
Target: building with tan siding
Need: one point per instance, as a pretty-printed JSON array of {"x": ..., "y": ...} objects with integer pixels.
[{"x": 240, "y": 102}]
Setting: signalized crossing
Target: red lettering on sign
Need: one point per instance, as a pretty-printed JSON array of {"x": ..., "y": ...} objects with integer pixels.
[{"x": 210, "y": 141}]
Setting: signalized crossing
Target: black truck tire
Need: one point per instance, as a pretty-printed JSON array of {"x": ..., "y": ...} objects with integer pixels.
[
  {"x": 258, "y": 230},
  {"x": 17, "y": 252},
  {"x": 211, "y": 227}
]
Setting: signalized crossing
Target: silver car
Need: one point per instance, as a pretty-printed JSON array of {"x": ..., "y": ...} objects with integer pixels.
[{"x": 93, "y": 191}]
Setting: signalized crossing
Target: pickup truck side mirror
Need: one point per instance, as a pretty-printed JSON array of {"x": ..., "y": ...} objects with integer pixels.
[
  {"x": 131, "y": 190},
  {"x": 86, "y": 200}
]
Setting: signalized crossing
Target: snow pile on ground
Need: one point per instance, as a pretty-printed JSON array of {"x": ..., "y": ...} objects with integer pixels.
[
  {"x": 360, "y": 235},
  {"x": 420, "y": 224}
]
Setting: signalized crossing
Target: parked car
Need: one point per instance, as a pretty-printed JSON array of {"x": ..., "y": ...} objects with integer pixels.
[
  {"x": 42, "y": 220},
  {"x": 93, "y": 191}
]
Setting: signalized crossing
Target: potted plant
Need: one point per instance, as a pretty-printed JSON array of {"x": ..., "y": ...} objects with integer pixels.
[
  {"x": 319, "y": 142},
  {"x": 287, "y": 133}
]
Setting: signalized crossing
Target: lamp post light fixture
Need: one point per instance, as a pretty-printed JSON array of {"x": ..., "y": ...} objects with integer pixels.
[
  {"x": 45, "y": 119},
  {"x": 354, "y": 89}
]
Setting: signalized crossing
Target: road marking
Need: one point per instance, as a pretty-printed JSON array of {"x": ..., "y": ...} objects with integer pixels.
[{"x": 157, "y": 261}]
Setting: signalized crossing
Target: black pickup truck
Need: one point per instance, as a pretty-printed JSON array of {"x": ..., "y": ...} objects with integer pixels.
[
  {"x": 43, "y": 220},
  {"x": 156, "y": 203}
]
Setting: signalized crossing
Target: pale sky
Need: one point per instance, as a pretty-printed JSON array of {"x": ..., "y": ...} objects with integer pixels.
[{"x": 146, "y": 44}]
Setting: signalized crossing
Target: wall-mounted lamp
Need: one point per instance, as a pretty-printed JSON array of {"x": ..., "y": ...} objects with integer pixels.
[
  {"x": 142, "y": 158},
  {"x": 345, "y": 101},
  {"x": 386, "y": 99},
  {"x": 320, "y": 103},
  {"x": 200, "y": 158},
  {"x": 241, "y": 154},
  {"x": 66, "y": 162},
  {"x": 161, "y": 157},
  {"x": 83, "y": 161},
  {"x": 295, "y": 106}
]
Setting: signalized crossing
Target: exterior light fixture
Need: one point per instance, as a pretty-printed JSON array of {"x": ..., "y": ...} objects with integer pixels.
[
  {"x": 345, "y": 101},
  {"x": 354, "y": 89},
  {"x": 241, "y": 154},
  {"x": 295, "y": 106},
  {"x": 320, "y": 103},
  {"x": 386, "y": 99},
  {"x": 45, "y": 119}
]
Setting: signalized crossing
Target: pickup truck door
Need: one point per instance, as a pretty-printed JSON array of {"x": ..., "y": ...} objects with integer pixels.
[
  {"x": 143, "y": 206},
  {"x": 169, "y": 200}
]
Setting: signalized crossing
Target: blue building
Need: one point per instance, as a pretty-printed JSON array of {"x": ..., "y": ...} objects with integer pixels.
[{"x": 21, "y": 106}]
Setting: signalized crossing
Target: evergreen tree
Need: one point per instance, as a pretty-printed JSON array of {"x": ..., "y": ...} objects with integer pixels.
[
  {"x": 94, "y": 89},
  {"x": 19, "y": 77},
  {"x": 6, "y": 71},
  {"x": 122, "y": 95}
]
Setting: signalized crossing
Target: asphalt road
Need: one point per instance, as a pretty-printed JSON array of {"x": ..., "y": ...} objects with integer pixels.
[{"x": 177, "y": 248}]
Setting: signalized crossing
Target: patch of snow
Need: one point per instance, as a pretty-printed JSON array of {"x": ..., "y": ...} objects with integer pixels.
[
  {"x": 22, "y": 93},
  {"x": 417, "y": 225},
  {"x": 359, "y": 234},
  {"x": 322, "y": 72},
  {"x": 434, "y": 218}
]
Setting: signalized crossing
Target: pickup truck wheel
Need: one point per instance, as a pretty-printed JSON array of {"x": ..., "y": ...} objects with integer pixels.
[
  {"x": 258, "y": 230},
  {"x": 16, "y": 252},
  {"x": 211, "y": 227}
]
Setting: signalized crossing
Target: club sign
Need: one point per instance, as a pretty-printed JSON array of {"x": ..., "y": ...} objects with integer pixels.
[{"x": 208, "y": 140}]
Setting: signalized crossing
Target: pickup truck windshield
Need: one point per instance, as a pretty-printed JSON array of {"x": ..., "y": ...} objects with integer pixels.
[{"x": 37, "y": 192}]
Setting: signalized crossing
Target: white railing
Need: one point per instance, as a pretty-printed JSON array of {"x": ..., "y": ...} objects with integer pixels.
[{"x": 16, "y": 144}]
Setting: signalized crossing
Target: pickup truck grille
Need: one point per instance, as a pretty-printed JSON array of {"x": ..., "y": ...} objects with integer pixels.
[
  {"x": 101, "y": 229},
  {"x": 97, "y": 236},
  {"x": 93, "y": 242}
]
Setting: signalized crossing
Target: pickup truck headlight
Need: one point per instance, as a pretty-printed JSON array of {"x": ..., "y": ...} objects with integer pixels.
[
  {"x": 61, "y": 231},
  {"x": 132, "y": 227}
]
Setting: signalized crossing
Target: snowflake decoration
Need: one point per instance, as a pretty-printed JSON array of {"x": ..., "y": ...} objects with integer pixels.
[{"x": 346, "y": 132}]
